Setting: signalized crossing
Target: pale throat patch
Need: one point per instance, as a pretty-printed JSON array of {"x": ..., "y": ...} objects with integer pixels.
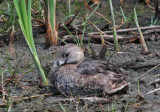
[{"x": 79, "y": 55}]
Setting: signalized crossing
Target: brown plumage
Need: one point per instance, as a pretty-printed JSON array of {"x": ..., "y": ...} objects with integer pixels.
[{"x": 76, "y": 75}]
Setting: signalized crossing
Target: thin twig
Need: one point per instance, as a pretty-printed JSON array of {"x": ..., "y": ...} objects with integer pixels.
[
  {"x": 154, "y": 82},
  {"x": 87, "y": 6},
  {"x": 155, "y": 90},
  {"x": 128, "y": 30},
  {"x": 144, "y": 74},
  {"x": 101, "y": 32},
  {"x": 108, "y": 38},
  {"x": 25, "y": 98},
  {"x": 149, "y": 5}
]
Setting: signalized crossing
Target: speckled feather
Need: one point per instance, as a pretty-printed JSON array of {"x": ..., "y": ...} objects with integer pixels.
[{"x": 86, "y": 77}]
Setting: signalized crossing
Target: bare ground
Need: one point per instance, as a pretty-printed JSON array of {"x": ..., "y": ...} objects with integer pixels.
[{"x": 27, "y": 86}]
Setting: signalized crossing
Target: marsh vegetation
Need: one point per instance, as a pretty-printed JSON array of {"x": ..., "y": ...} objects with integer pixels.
[{"x": 130, "y": 31}]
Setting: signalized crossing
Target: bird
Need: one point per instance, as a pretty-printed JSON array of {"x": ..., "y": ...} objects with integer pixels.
[{"x": 76, "y": 75}]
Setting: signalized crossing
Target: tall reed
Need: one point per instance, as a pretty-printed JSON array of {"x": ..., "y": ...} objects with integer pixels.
[
  {"x": 26, "y": 26},
  {"x": 114, "y": 27},
  {"x": 52, "y": 33}
]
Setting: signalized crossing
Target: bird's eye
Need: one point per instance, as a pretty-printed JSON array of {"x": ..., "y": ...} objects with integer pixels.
[{"x": 65, "y": 55}]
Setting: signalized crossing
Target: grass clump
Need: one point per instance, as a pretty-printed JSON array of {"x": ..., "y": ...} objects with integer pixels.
[{"x": 26, "y": 26}]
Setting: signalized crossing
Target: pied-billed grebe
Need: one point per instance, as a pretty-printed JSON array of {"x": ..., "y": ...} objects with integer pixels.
[{"x": 76, "y": 75}]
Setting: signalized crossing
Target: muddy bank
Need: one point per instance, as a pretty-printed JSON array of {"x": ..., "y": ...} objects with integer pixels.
[
  {"x": 23, "y": 90},
  {"x": 28, "y": 84}
]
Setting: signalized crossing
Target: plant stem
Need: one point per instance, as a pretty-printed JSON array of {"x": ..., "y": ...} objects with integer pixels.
[
  {"x": 142, "y": 41},
  {"x": 114, "y": 27}
]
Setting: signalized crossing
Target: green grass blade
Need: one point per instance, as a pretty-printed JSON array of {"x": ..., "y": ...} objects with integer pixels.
[
  {"x": 114, "y": 27},
  {"x": 39, "y": 68},
  {"x": 30, "y": 26},
  {"x": 24, "y": 17},
  {"x": 26, "y": 26},
  {"x": 17, "y": 8},
  {"x": 52, "y": 8}
]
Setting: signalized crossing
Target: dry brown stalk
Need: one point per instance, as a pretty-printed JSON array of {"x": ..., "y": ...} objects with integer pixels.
[
  {"x": 142, "y": 41},
  {"x": 128, "y": 30},
  {"x": 96, "y": 1},
  {"x": 87, "y": 6},
  {"x": 155, "y": 90},
  {"x": 11, "y": 48},
  {"x": 25, "y": 98},
  {"x": 101, "y": 32},
  {"x": 52, "y": 33}
]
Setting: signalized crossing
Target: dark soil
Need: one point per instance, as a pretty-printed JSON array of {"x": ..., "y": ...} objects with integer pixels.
[{"x": 28, "y": 85}]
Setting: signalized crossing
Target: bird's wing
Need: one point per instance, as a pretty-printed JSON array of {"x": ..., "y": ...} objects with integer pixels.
[{"x": 92, "y": 67}]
